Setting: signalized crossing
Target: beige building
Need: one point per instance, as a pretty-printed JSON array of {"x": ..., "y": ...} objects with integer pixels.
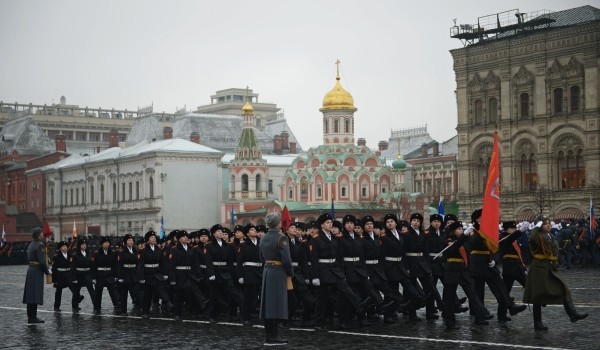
[{"x": 537, "y": 79}]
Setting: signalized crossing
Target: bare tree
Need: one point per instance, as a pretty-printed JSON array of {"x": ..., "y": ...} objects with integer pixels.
[{"x": 543, "y": 200}]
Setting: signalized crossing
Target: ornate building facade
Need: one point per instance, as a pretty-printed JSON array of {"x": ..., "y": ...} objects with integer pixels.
[{"x": 538, "y": 85}]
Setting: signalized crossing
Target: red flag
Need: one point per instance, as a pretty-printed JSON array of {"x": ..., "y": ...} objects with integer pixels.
[
  {"x": 286, "y": 220},
  {"x": 46, "y": 230},
  {"x": 491, "y": 200}
]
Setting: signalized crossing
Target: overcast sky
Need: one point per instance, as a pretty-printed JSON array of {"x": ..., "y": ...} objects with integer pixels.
[{"x": 124, "y": 54}]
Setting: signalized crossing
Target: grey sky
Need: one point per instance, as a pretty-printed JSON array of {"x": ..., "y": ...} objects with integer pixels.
[{"x": 125, "y": 54}]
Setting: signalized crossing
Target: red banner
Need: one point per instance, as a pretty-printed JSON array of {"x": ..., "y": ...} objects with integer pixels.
[
  {"x": 46, "y": 230},
  {"x": 490, "y": 217},
  {"x": 286, "y": 220}
]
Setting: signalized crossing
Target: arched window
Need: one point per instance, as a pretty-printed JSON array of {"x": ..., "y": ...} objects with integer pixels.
[
  {"x": 482, "y": 162},
  {"x": 52, "y": 197},
  {"x": 290, "y": 193},
  {"x": 478, "y": 112},
  {"x": 101, "y": 193},
  {"x": 114, "y": 192},
  {"x": 364, "y": 189},
  {"x": 575, "y": 93},
  {"x": 570, "y": 164},
  {"x": 245, "y": 183},
  {"x": 151, "y": 186},
  {"x": 72, "y": 197},
  {"x": 347, "y": 125},
  {"x": 336, "y": 126},
  {"x": 319, "y": 190},
  {"x": 524, "y": 105},
  {"x": 558, "y": 100},
  {"x": 493, "y": 110},
  {"x": 77, "y": 196},
  {"x": 91, "y": 194},
  {"x": 303, "y": 187},
  {"x": 529, "y": 176},
  {"x": 258, "y": 183}
]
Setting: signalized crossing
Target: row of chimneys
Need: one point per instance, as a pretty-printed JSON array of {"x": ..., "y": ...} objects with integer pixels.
[{"x": 282, "y": 143}]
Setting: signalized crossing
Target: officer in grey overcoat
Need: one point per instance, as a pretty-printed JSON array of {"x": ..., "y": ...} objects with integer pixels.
[
  {"x": 33, "y": 294},
  {"x": 275, "y": 252}
]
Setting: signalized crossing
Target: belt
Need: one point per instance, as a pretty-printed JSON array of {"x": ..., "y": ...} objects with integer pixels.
[
  {"x": 183, "y": 267},
  {"x": 294, "y": 264},
  {"x": 273, "y": 263},
  {"x": 393, "y": 258},
  {"x": 414, "y": 254},
  {"x": 219, "y": 263},
  {"x": 480, "y": 252},
  {"x": 433, "y": 254},
  {"x": 103, "y": 268},
  {"x": 512, "y": 256},
  {"x": 33, "y": 263},
  {"x": 352, "y": 259},
  {"x": 455, "y": 260},
  {"x": 82, "y": 268},
  {"x": 202, "y": 266},
  {"x": 129, "y": 266},
  {"x": 250, "y": 263},
  {"x": 150, "y": 266},
  {"x": 371, "y": 262},
  {"x": 544, "y": 257},
  {"x": 63, "y": 269},
  {"x": 326, "y": 261}
]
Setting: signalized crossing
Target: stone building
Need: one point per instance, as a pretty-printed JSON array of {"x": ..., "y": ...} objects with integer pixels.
[{"x": 536, "y": 79}]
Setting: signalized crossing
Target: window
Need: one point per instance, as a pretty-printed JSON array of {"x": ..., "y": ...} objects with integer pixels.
[
  {"x": 364, "y": 189},
  {"x": 478, "y": 112},
  {"x": 558, "y": 100},
  {"x": 66, "y": 197},
  {"x": 448, "y": 186},
  {"x": 336, "y": 125},
  {"x": 83, "y": 195},
  {"x": 347, "y": 125},
  {"x": 493, "y": 110},
  {"x": 343, "y": 190},
  {"x": 418, "y": 186},
  {"x": 270, "y": 184},
  {"x": 130, "y": 190},
  {"x": 325, "y": 126},
  {"x": 72, "y": 197},
  {"x": 258, "y": 183},
  {"x": 101, "y": 193},
  {"x": 571, "y": 169},
  {"x": 303, "y": 188},
  {"x": 151, "y": 185},
  {"x": 123, "y": 192},
  {"x": 91, "y": 194},
  {"x": 77, "y": 196},
  {"x": 114, "y": 191},
  {"x": 245, "y": 183},
  {"x": 51, "y": 197},
  {"x": 524, "y": 106},
  {"x": 482, "y": 162},
  {"x": 319, "y": 190},
  {"x": 290, "y": 193},
  {"x": 575, "y": 93},
  {"x": 529, "y": 176},
  {"x": 137, "y": 190}
]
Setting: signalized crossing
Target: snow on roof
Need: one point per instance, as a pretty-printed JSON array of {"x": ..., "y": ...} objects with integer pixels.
[{"x": 272, "y": 159}]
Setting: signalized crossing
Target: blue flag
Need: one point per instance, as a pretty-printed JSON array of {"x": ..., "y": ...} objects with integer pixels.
[
  {"x": 332, "y": 210},
  {"x": 232, "y": 217},
  {"x": 162, "y": 228},
  {"x": 441, "y": 207}
]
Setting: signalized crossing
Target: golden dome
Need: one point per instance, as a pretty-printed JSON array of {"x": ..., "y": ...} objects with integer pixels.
[
  {"x": 248, "y": 109},
  {"x": 338, "y": 97}
]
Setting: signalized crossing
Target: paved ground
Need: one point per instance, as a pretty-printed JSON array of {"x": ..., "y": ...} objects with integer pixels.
[{"x": 130, "y": 332}]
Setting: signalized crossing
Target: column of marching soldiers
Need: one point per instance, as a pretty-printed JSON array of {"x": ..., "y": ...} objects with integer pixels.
[{"x": 358, "y": 271}]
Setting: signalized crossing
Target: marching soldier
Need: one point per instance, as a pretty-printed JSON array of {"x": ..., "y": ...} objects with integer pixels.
[
  {"x": 274, "y": 250},
  {"x": 249, "y": 271},
  {"x": 513, "y": 267},
  {"x": 61, "y": 268},
  {"x": 300, "y": 280},
  {"x": 545, "y": 285},
  {"x": 184, "y": 276},
  {"x": 327, "y": 273},
  {"x": 152, "y": 274},
  {"x": 200, "y": 250},
  {"x": 456, "y": 274},
  {"x": 81, "y": 275},
  {"x": 127, "y": 274},
  {"x": 33, "y": 294},
  {"x": 103, "y": 275},
  {"x": 484, "y": 271}
]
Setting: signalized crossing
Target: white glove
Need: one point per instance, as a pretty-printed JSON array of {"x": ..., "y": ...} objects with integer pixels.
[
  {"x": 539, "y": 224},
  {"x": 74, "y": 282},
  {"x": 241, "y": 280},
  {"x": 165, "y": 277},
  {"x": 492, "y": 263},
  {"x": 316, "y": 282},
  {"x": 172, "y": 283},
  {"x": 94, "y": 281},
  {"x": 307, "y": 281},
  {"x": 143, "y": 281},
  {"x": 469, "y": 230},
  {"x": 50, "y": 272},
  {"x": 523, "y": 228},
  {"x": 120, "y": 280},
  {"x": 212, "y": 278}
]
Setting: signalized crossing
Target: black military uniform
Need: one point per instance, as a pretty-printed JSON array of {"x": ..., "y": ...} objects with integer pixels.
[
  {"x": 184, "y": 276},
  {"x": 300, "y": 281},
  {"x": 249, "y": 272},
  {"x": 127, "y": 274},
  {"x": 152, "y": 274},
  {"x": 104, "y": 273},
  {"x": 81, "y": 275},
  {"x": 200, "y": 251},
  {"x": 61, "y": 271},
  {"x": 219, "y": 267},
  {"x": 513, "y": 267},
  {"x": 566, "y": 242},
  {"x": 327, "y": 274},
  {"x": 456, "y": 274},
  {"x": 484, "y": 271}
]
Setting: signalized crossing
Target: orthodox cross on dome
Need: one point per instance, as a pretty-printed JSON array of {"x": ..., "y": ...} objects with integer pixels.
[{"x": 337, "y": 64}]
